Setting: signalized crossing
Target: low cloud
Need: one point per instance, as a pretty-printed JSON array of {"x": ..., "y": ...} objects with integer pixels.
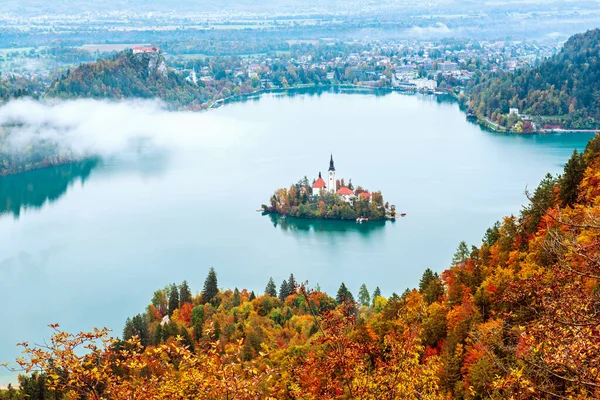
[
  {"x": 95, "y": 127},
  {"x": 437, "y": 30}
]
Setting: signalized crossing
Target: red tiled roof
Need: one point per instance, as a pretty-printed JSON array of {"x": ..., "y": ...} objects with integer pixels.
[
  {"x": 319, "y": 184},
  {"x": 344, "y": 191},
  {"x": 365, "y": 195}
]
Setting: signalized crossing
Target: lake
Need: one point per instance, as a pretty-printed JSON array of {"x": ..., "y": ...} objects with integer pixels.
[{"x": 86, "y": 245}]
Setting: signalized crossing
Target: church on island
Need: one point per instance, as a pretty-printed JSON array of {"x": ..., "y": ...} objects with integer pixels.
[
  {"x": 347, "y": 193},
  {"x": 329, "y": 198}
]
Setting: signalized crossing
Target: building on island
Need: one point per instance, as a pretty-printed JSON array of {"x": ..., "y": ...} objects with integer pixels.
[
  {"x": 346, "y": 193},
  {"x": 318, "y": 186},
  {"x": 332, "y": 184}
]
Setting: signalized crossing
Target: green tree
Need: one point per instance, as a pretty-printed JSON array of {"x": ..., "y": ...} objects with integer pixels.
[
  {"x": 159, "y": 300},
  {"x": 173, "y": 299},
  {"x": 376, "y": 294},
  {"x": 492, "y": 234},
  {"x": 236, "y": 298},
  {"x": 344, "y": 295},
  {"x": 197, "y": 321},
  {"x": 425, "y": 280},
  {"x": 571, "y": 178},
  {"x": 211, "y": 288},
  {"x": 283, "y": 290},
  {"x": 185, "y": 294},
  {"x": 137, "y": 326},
  {"x": 461, "y": 255},
  {"x": 271, "y": 289},
  {"x": 363, "y": 296},
  {"x": 542, "y": 199},
  {"x": 252, "y": 296},
  {"x": 291, "y": 283}
]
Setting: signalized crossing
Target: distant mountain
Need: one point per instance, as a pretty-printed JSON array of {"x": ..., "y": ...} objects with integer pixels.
[
  {"x": 563, "y": 90},
  {"x": 126, "y": 75}
]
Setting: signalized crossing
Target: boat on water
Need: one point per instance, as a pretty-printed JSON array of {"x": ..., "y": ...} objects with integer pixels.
[
  {"x": 403, "y": 214},
  {"x": 361, "y": 219}
]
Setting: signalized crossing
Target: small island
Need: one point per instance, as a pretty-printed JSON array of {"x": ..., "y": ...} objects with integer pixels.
[{"x": 333, "y": 199}]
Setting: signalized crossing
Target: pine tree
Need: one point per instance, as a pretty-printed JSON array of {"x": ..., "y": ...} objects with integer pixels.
[
  {"x": 252, "y": 296},
  {"x": 433, "y": 290},
  {"x": 271, "y": 289},
  {"x": 461, "y": 255},
  {"x": 236, "y": 298},
  {"x": 426, "y": 279},
  {"x": 283, "y": 290},
  {"x": 185, "y": 294},
  {"x": 376, "y": 294},
  {"x": 344, "y": 295},
  {"x": 571, "y": 178},
  {"x": 173, "y": 299},
  {"x": 211, "y": 289},
  {"x": 363, "y": 296},
  {"x": 291, "y": 283},
  {"x": 542, "y": 199}
]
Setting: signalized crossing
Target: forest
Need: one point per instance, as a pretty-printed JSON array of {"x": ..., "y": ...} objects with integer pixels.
[
  {"x": 298, "y": 201},
  {"x": 515, "y": 317},
  {"x": 563, "y": 91}
]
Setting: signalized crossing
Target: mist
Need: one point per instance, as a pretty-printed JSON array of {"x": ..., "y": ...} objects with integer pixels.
[{"x": 107, "y": 128}]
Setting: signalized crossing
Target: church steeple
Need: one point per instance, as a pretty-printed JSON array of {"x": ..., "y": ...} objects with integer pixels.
[{"x": 331, "y": 167}]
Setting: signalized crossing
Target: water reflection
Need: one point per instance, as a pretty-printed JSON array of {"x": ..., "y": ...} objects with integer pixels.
[
  {"x": 302, "y": 226},
  {"x": 310, "y": 92},
  {"x": 32, "y": 189}
]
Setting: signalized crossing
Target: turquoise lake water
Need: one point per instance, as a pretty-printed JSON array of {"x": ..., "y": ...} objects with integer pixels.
[{"x": 86, "y": 245}]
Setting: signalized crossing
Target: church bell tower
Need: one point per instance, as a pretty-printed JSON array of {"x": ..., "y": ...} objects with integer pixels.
[{"x": 331, "y": 185}]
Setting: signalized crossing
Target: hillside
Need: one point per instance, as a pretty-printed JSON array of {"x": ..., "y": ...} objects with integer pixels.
[
  {"x": 565, "y": 87},
  {"x": 127, "y": 75},
  {"x": 517, "y": 317}
]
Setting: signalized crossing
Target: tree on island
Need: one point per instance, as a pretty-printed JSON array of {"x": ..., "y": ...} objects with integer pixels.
[
  {"x": 271, "y": 289},
  {"x": 211, "y": 289}
]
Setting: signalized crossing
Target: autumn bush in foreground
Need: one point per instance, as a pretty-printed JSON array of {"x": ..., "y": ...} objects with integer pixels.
[{"x": 517, "y": 317}]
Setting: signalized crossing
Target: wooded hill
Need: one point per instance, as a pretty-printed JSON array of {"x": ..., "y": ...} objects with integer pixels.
[{"x": 565, "y": 87}]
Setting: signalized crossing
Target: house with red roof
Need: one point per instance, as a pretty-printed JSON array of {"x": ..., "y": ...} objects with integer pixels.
[
  {"x": 318, "y": 186},
  {"x": 141, "y": 49},
  {"x": 346, "y": 193}
]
